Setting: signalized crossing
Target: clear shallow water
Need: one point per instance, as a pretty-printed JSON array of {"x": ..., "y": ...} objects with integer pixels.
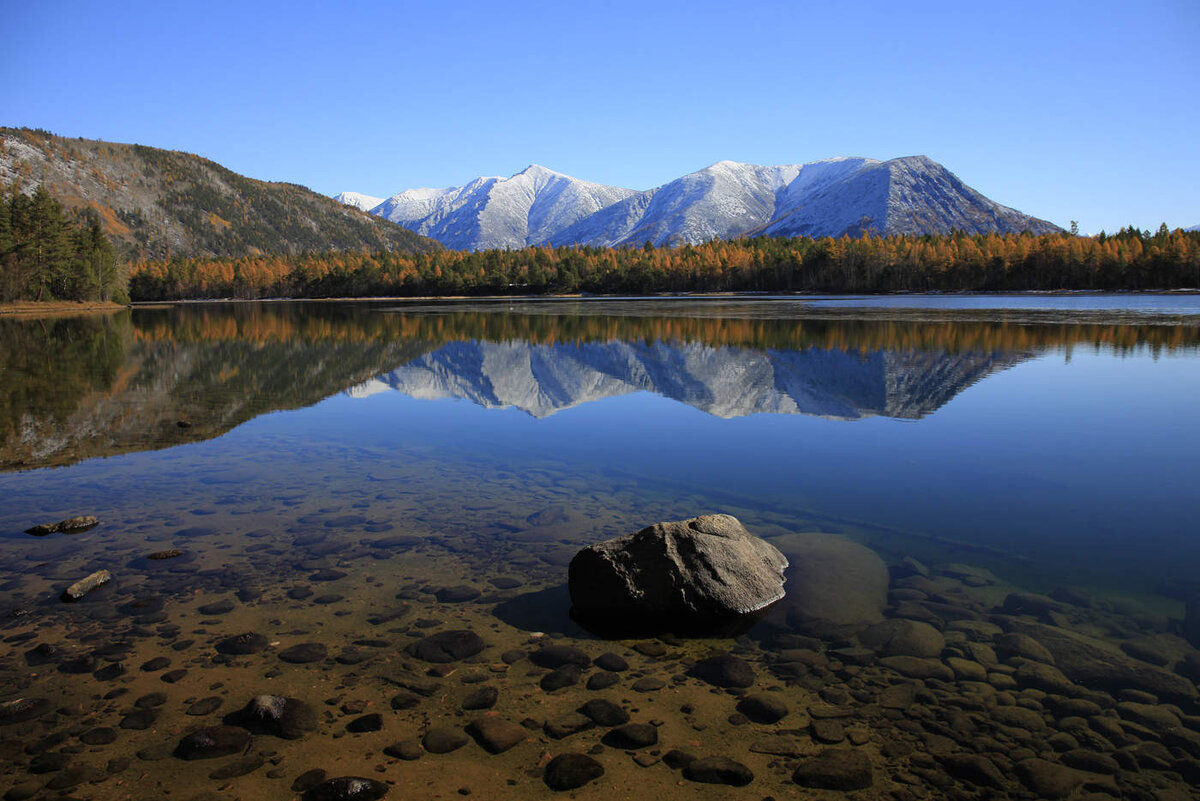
[{"x": 424, "y": 447}]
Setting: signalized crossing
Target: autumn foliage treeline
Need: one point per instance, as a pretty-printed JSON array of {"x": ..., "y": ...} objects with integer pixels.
[
  {"x": 1130, "y": 259},
  {"x": 264, "y": 324}
]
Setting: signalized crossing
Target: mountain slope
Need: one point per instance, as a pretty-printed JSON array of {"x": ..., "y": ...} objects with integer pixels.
[
  {"x": 487, "y": 213},
  {"x": 157, "y": 203},
  {"x": 913, "y": 195}
]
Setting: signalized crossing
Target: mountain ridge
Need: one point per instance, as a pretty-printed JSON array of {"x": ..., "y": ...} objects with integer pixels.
[
  {"x": 727, "y": 199},
  {"x": 156, "y": 203}
]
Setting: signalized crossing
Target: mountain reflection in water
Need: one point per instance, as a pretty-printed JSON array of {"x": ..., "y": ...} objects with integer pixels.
[{"x": 77, "y": 388}]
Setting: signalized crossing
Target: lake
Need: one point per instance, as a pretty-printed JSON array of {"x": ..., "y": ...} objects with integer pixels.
[{"x": 989, "y": 505}]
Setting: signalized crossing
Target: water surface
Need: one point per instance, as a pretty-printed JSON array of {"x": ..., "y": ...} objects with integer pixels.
[{"x": 323, "y": 466}]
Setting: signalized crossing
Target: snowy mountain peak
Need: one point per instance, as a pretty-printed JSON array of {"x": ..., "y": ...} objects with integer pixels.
[
  {"x": 830, "y": 197},
  {"x": 358, "y": 200},
  {"x": 538, "y": 171}
]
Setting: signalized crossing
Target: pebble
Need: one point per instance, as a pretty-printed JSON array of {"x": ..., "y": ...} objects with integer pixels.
[
  {"x": 157, "y": 663},
  {"x": 604, "y": 712},
  {"x": 347, "y": 788},
  {"x": 446, "y": 646},
  {"x": 724, "y": 671},
  {"x": 565, "y": 676},
  {"x": 602, "y": 680},
  {"x": 557, "y": 656},
  {"x": 212, "y": 742},
  {"x": 242, "y": 644},
  {"x": 631, "y": 736},
  {"x": 496, "y": 735},
  {"x": 408, "y": 750},
  {"x": 205, "y": 706},
  {"x": 835, "y": 769},
  {"x": 98, "y": 736},
  {"x": 289, "y": 718},
  {"x": 566, "y": 725},
  {"x": 762, "y": 708},
  {"x": 571, "y": 771},
  {"x": 458, "y": 594},
  {"x": 718, "y": 770},
  {"x": 303, "y": 653},
  {"x": 366, "y": 723},
  {"x": 444, "y": 739},
  {"x": 611, "y": 661},
  {"x": 481, "y": 698}
]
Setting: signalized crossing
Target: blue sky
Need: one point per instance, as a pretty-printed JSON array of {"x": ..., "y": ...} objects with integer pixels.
[{"x": 1068, "y": 110}]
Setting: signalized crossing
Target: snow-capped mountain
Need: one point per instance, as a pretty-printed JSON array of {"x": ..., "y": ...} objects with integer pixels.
[
  {"x": 358, "y": 200},
  {"x": 719, "y": 202},
  {"x": 526, "y": 209},
  {"x": 1193, "y": 228},
  {"x": 913, "y": 195},
  {"x": 723, "y": 381}
]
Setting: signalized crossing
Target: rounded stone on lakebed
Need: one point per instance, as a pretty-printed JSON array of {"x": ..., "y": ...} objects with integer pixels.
[
  {"x": 604, "y": 712},
  {"x": 212, "y": 742},
  {"x": 631, "y": 736},
  {"x": 565, "y": 676},
  {"x": 347, "y": 788},
  {"x": 718, "y": 770},
  {"x": 444, "y": 739},
  {"x": 289, "y": 718},
  {"x": 762, "y": 708},
  {"x": 366, "y": 723},
  {"x": 571, "y": 771},
  {"x": 303, "y": 653},
  {"x": 496, "y": 735},
  {"x": 242, "y": 644},
  {"x": 835, "y": 769},
  {"x": 446, "y": 646},
  {"x": 481, "y": 698},
  {"x": 408, "y": 750},
  {"x": 725, "y": 670}
]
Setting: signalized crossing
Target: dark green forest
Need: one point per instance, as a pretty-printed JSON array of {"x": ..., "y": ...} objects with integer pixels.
[{"x": 46, "y": 254}]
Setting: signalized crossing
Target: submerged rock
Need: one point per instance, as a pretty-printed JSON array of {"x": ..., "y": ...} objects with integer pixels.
[
  {"x": 570, "y": 771},
  {"x": 718, "y": 770},
  {"x": 447, "y": 646},
  {"x": 1093, "y": 663},
  {"x": 289, "y": 718},
  {"x": 687, "y": 573},
  {"x": 86, "y": 585},
  {"x": 836, "y": 587},
  {"x": 347, "y": 788},
  {"x": 212, "y": 742},
  {"x": 23, "y": 709},
  {"x": 835, "y": 769},
  {"x": 72, "y": 525}
]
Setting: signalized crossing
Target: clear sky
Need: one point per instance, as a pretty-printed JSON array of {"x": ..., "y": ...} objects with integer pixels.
[{"x": 1081, "y": 111}]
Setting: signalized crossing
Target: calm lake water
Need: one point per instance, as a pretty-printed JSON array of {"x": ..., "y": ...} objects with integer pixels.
[{"x": 354, "y": 477}]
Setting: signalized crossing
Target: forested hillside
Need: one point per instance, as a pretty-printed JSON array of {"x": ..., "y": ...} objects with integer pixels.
[
  {"x": 45, "y": 254},
  {"x": 158, "y": 204}
]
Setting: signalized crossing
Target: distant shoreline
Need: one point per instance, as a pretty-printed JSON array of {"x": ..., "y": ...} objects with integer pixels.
[
  {"x": 58, "y": 308},
  {"x": 668, "y": 296}
]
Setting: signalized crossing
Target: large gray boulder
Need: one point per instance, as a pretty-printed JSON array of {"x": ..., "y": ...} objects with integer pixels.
[{"x": 683, "y": 574}]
